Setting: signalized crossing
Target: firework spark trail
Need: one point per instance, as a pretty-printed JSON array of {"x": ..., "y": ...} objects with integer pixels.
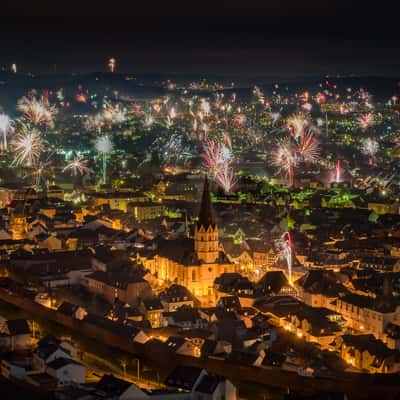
[
  {"x": 308, "y": 146},
  {"x": 37, "y": 112},
  {"x": 5, "y": 129},
  {"x": 366, "y": 120},
  {"x": 41, "y": 170},
  {"x": 285, "y": 248},
  {"x": 338, "y": 171},
  {"x": 218, "y": 160},
  {"x": 284, "y": 157},
  {"x": 27, "y": 146},
  {"x": 104, "y": 146},
  {"x": 225, "y": 179},
  {"x": 300, "y": 146},
  {"x": 77, "y": 165}
]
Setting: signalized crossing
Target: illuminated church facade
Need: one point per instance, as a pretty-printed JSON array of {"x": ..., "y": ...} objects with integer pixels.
[{"x": 194, "y": 262}]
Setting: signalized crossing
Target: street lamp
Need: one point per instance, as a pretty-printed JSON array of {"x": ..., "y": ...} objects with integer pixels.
[{"x": 138, "y": 367}]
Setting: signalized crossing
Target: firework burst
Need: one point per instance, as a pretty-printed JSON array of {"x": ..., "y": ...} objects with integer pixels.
[
  {"x": 366, "y": 120},
  {"x": 370, "y": 147},
  {"x": 218, "y": 160},
  {"x": 27, "y": 146},
  {"x": 298, "y": 147},
  {"x": 284, "y": 157},
  {"x": 104, "y": 145},
  {"x": 77, "y": 165},
  {"x": 307, "y": 147},
  {"x": 114, "y": 114},
  {"x": 37, "y": 112}
]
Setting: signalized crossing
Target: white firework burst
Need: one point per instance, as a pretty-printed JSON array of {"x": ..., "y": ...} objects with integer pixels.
[
  {"x": 104, "y": 145},
  {"x": 6, "y": 127},
  {"x": 27, "y": 145},
  {"x": 77, "y": 165}
]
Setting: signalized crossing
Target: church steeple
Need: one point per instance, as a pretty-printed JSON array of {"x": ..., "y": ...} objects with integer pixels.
[
  {"x": 206, "y": 238},
  {"x": 206, "y": 215}
]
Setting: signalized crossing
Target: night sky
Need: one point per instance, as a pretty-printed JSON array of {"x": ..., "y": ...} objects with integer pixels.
[{"x": 249, "y": 38}]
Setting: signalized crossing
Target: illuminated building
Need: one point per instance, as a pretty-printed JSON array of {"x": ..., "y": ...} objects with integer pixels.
[{"x": 194, "y": 263}]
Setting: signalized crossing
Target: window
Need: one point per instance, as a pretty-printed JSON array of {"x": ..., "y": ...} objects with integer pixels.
[{"x": 193, "y": 275}]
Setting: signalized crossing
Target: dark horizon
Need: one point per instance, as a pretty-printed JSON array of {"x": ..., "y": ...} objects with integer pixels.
[{"x": 240, "y": 38}]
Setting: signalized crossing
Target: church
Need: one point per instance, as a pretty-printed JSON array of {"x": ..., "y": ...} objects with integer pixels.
[{"x": 194, "y": 262}]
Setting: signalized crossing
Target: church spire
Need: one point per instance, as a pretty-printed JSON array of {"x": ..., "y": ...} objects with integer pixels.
[{"x": 206, "y": 215}]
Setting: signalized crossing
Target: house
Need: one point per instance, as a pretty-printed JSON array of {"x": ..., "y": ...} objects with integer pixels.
[
  {"x": 229, "y": 329},
  {"x": 367, "y": 353},
  {"x": 16, "y": 365},
  {"x": 146, "y": 211},
  {"x": 50, "y": 242},
  {"x": 318, "y": 325},
  {"x": 124, "y": 313},
  {"x": 319, "y": 288},
  {"x": 368, "y": 314},
  {"x": 175, "y": 297},
  {"x": 110, "y": 387},
  {"x": 279, "y": 307},
  {"x": 153, "y": 312},
  {"x": 126, "y": 285},
  {"x": 385, "y": 264},
  {"x": 229, "y": 303},
  {"x": 15, "y": 334},
  {"x": 182, "y": 346},
  {"x": 275, "y": 283},
  {"x": 66, "y": 371},
  {"x": 263, "y": 255},
  {"x": 211, "y": 387},
  {"x": 185, "y": 317},
  {"x": 184, "y": 377},
  {"x": 238, "y": 253},
  {"x": 200, "y": 384},
  {"x": 72, "y": 310},
  {"x": 237, "y": 285},
  {"x": 50, "y": 348},
  {"x": 245, "y": 357},
  {"x": 119, "y": 200},
  {"x": 392, "y": 336},
  {"x": 273, "y": 359}
]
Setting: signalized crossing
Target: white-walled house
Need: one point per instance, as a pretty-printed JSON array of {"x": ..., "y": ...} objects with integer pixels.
[{"x": 66, "y": 371}]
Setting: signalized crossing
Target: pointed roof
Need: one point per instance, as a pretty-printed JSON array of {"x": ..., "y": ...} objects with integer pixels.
[{"x": 206, "y": 215}]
